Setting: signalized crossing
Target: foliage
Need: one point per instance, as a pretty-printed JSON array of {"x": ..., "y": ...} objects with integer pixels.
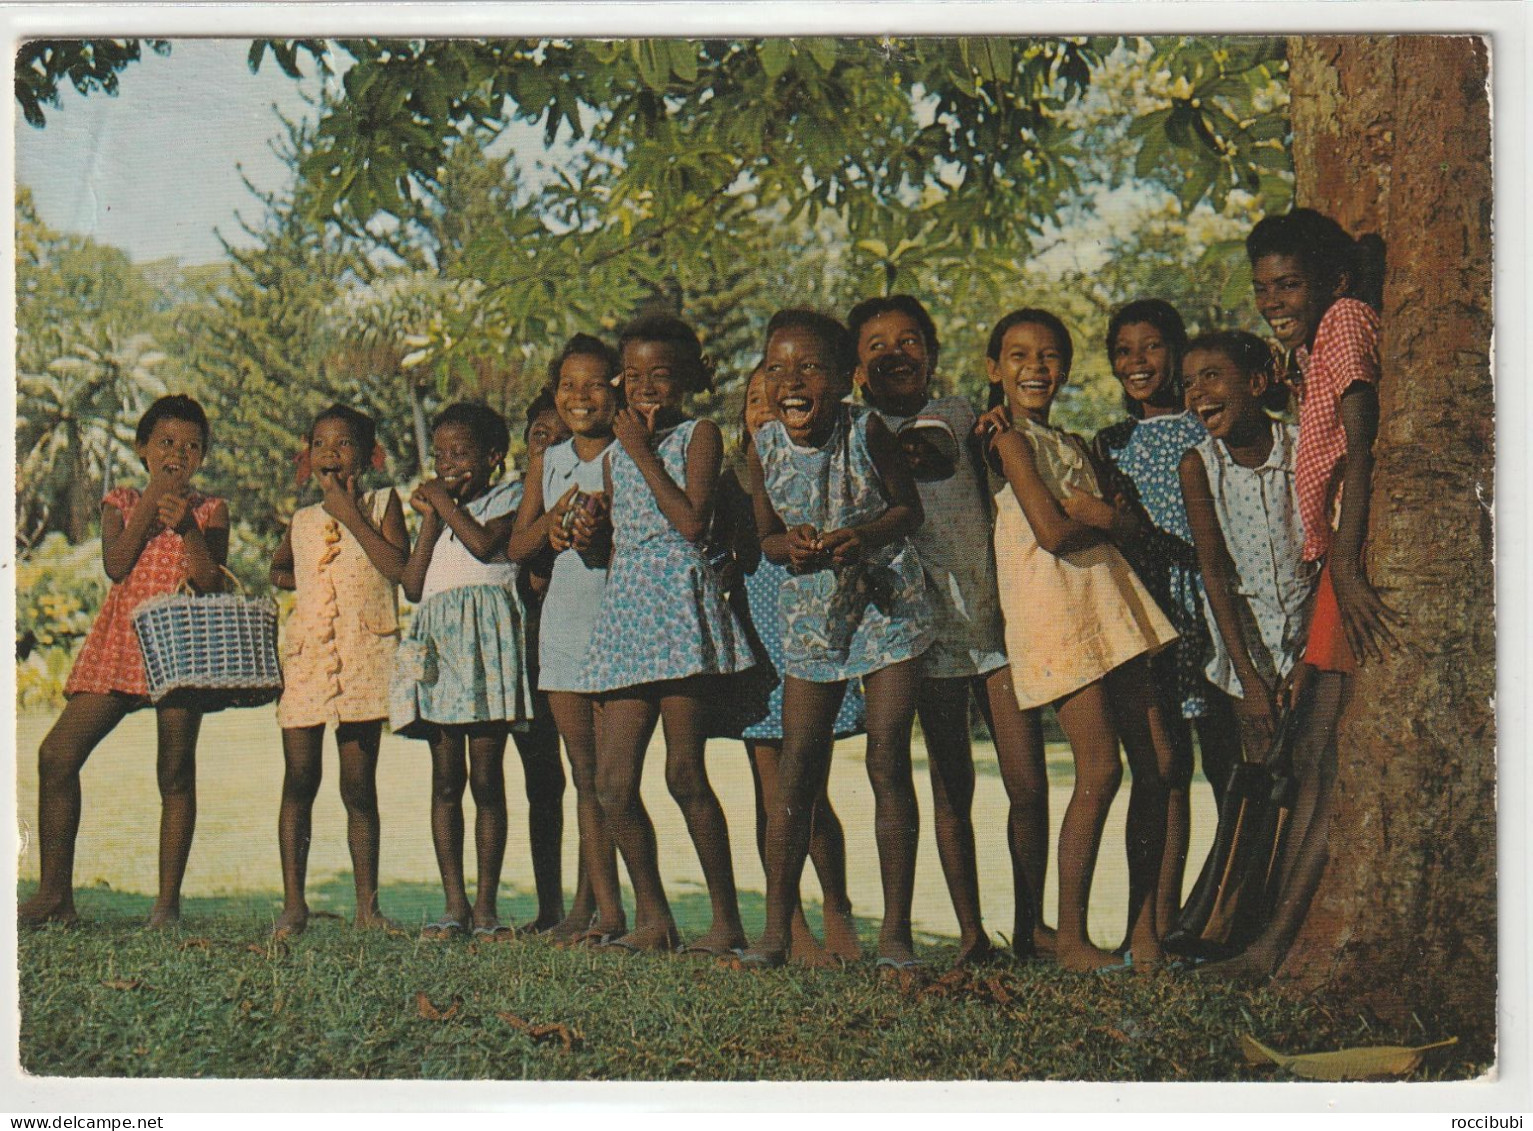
[
  {"x": 88, "y": 64},
  {"x": 214, "y": 1000},
  {"x": 59, "y": 589}
]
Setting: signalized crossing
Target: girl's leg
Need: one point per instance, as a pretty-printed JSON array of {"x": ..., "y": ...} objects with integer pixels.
[
  {"x": 449, "y": 776},
  {"x": 176, "y": 769},
  {"x": 85, "y": 721},
  {"x": 302, "y": 756},
  {"x": 1306, "y": 849},
  {"x": 627, "y": 721},
  {"x": 358, "y": 745},
  {"x": 543, "y": 774},
  {"x": 576, "y": 716},
  {"x": 1084, "y": 716},
  {"x": 891, "y": 695},
  {"x": 1219, "y": 741},
  {"x": 764, "y": 757},
  {"x": 827, "y": 848},
  {"x": 1139, "y": 715},
  {"x": 487, "y": 781},
  {"x": 1018, "y": 737},
  {"x": 684, "y": 712},
  {"x": 943, "y": 707},
  {"x": 809, "y": 715}
]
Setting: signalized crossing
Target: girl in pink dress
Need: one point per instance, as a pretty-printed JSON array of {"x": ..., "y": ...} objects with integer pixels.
[{"x": 153, "y": 540}]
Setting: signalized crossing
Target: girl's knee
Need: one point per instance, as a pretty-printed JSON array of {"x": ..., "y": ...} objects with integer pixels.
[
  {"x": 686, "y": 780},
  {"x": 447, "y": 788},
  {"x": 302, "y": 784},
  {"x": 1099, "y": 778},
  {"x": 618, "y": 793},
  {"x": 177, "y": 776},
  {"x": 488, "y": 785}
]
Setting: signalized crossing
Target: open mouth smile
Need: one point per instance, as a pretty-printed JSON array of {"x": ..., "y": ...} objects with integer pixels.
[
  {"x": 1141, "y": 382},
  {"x": 796, "y": 412}
]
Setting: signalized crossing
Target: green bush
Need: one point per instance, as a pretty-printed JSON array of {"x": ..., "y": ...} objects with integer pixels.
[{"x": 59, "y": 590}]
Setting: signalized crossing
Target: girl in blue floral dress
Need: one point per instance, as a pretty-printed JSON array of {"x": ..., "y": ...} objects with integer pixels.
[
  {"x": 1146, "y": 341},
  {"x": 664, "y": 633},
  {"x": 835, "y": 502}
]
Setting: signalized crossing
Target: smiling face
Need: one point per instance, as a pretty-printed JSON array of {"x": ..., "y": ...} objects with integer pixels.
[
  {"x": 1227, "y": 401},
  {"x": 654, "y": 378},
  {"x": 759, "y": 409},
  {"x": 803, "y": 385},
  {"x": 1142, "y": 362},
  {"x": 1031, "y": 369},
  {"x": 1289, "y": 298},
  {"x": 893, "y": 363},
  {"x": 175, "y": 448},
  {"x": 546, "y": 429},
  {"x": 584, "y": 396},
  {"x": 462, "y": 461},
  {"x": 333, "y": 449}
]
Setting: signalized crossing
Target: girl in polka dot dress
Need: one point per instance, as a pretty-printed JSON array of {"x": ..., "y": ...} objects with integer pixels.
[
  {"x": 1146, "y": 341},
  {"x": 154, "y": 539}
]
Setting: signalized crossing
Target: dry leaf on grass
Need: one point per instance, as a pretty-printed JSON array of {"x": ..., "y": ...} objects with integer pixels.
[
  {"x": 568, "y": 1037},
  {"x": 430, "y": 1012},
  {"x": 1376, "y": 1063},
  {"x": 197, "y": 944},
  {"x": 123, "y": 983}
]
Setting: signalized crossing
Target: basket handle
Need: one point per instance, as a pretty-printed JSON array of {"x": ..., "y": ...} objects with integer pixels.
[{"x": 185, "y": 589}]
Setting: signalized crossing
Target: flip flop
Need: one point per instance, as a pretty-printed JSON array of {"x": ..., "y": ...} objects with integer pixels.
[
  {"x": 501, "y": 932},
  {"x": 443, "y": 930},
  {"x": 741, "y": 959},
  {"x": 1121, "y": 968},
  {"x": 899, "y": 964}
]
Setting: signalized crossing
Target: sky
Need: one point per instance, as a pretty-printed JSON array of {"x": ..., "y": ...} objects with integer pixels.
[{"x": 156, "y": 170}]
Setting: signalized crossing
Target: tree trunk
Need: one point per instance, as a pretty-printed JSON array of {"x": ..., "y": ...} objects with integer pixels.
[{"x": 1392, "y": 136}]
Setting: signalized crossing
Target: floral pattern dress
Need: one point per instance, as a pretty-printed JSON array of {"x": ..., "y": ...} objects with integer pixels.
[
  {"x": 663, "y": 614},
  {"x": 110, "y": 660},
  {"x": 854, "y": 620},
  {"x": 1147, "y": 454}
]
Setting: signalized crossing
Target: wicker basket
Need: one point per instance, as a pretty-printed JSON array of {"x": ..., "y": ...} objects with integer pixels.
[{"x": 221, "y": 648}]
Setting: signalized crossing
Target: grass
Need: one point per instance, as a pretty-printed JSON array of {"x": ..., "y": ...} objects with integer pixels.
[{"x": 212, "y": 999}]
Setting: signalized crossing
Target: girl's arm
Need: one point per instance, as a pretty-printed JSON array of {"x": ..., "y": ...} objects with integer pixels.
[
  {"x": 1055, "y": 530},
  {"x": 124, "y": 539},
  {"x": 903, "y": 516},
  {"x": 388, "y": 548},
  {"x": 1364, "y": 617},
  {"x": 206, "y": 549},
  {"x": 483, "y": 539},
  {"x": 282, "y": 564},
  {"x": 687, "y": 510},
  {"x": 778, "y": 544},
  {"x": 1219, "y": 580},
  {"x": 529, "y": 533},
  {"x": 413, "y": 578}
]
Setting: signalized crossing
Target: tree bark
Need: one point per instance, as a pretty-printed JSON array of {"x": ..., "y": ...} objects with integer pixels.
[{"x": 1392, "y": 136}]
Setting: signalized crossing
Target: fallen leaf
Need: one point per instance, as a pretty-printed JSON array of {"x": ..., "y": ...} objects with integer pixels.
[
  {"x": 198, "y": 943},
  {"x": 567, "y": 1036},
  {"x": 430, "y": 1012},
  {"x": 998, "y": 991},
  {"x": 1374, "y": 1063},
  {"x": 123, "y": 983}
]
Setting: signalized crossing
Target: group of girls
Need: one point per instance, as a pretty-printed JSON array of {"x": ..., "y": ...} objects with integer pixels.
[{"x": 871, "y": 554}]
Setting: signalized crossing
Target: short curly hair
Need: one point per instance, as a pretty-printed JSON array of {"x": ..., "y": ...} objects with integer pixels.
[
  {"x": 486, "y": 425},
  {"x": 177, "y": 406},
  {"x": 697, "y": 370},
  {"x": 837, "y": 339},
  {"x": 870, "y": 308}
]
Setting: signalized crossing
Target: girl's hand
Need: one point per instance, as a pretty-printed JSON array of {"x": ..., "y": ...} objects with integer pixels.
[
  {"x": 993, "y": 422},
  {"x": 559, "y": 538},
  {"x": 634, "y": 430},
  {"x": 437, "y": 495},
  {"x": 420, "y": 504},
  {"x": 1258, "y": 714},
  {"x": 1364, "y": 616},
  {"x": 175, "y": 511},
  {"x": 806, "y": 553},
  {"x": 340, "y": 496},
  {"x": 844, "y": 546},
  {"x": 588, "y": 521},
  {"x": 1089, "y": 510}
]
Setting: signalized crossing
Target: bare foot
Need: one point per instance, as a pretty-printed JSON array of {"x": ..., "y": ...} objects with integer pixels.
[
  {"x": 375, "y": 921},
  {"x": 543, "y": 924},
  {"x": 1082, "y": 958},
  {"x": 756, "y": 958},
  {"x": 1045, "y": 941},
  {"x": 1249, "y": 968},
  {"x": 804, "y": 949},
  {"x": 164, "y": 915},
  {"x": 841, "y": 934},
  {"x": 291, "y": 923},
  {"x": 973, "y": 952},
  {"x": 656, "y": 936},
  {"x": 897, "y": 952},
  {"x": 43, "y": 909},
  {"x": 571, "y": 927},
  {"x": 718, "y": 942}
]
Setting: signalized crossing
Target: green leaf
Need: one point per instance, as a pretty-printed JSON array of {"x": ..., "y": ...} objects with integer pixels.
[
  {"x": 822, "y": 50},
  {"x": 776, "y": 55},
  {"x": 684, "y": 60},
  {"x": 653, "y": 59}
]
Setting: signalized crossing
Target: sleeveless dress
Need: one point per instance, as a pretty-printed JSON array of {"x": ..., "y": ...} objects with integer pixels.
[
  {"x": 461, "y": 662},
  {"x": 1148, "y": 454},
  {"x": 851, "y": 621},
  {"x": 338, "y": 645},
  {"x": 663, "y": 614},
  {"x": 954, "y": 542},
  {"x": 1258, "y": 512},
  {"x": 110, "y": 660},
  {"x": 1070, "y": 618},
  {"x": 575, "y": 587}
]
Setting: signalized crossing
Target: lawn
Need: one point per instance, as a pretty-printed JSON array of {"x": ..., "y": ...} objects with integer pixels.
[{"x": 214, "y": 999}]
